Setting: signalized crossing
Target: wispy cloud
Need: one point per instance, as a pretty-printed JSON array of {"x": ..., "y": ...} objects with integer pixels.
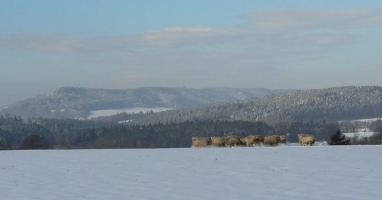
[
  {"x": 175, "y": 36},
  {"x": 276, "y": 20},
  {"x": 276, "y": 29}
]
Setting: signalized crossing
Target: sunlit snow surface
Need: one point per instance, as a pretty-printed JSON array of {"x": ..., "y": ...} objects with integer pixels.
[
  {"x": 285, "y": 172},
  {"x": 110, "y": 112},
  {"x": 359, "y": 135}
]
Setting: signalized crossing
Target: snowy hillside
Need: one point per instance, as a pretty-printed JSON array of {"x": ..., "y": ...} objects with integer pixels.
[
  {"x": 110, "y": 112},
  {"x": 330, "y": 104},
  {"x": 287, "y": 172},
  {"x": 72, "y": 102}
]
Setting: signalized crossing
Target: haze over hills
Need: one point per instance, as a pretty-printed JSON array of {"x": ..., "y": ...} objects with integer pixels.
[
  {"x": 72, "y": 102},
  {"x": 333, "y": 104}
]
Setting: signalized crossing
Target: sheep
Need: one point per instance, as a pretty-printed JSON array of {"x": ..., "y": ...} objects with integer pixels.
[
  {"x": 284, "y": 138},
  {"x": 252, "y": 140},
  {"x": 272, "y": 140},
  {"x": 232, "y": 140},
  {"x": 200, "y": 141},
  {"x": 218, "y": 141},
  {"x": 306, "y": 139}
]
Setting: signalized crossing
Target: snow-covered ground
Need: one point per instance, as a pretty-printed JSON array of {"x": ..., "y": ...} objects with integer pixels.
[
  {"x": 359, "y": 135},
  {"x": 364, "y": 120},
  {"x": 285, "y": 172},
  {"x": 99, "y": 113}
]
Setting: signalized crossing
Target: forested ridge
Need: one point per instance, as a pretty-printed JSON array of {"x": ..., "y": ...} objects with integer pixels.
[{"x": 331, "y": 104}]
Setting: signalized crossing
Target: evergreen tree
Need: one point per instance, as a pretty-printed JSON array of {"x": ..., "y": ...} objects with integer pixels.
[
  {"x": 2, "y": 146},
  {"x": 338, "y": 139},
  {"x": 34, "y": 141}
]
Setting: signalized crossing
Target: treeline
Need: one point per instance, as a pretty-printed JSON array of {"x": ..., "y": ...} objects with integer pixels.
[
  {"x": 8, "y": 120},
  {"x": 81, "y": 134}
]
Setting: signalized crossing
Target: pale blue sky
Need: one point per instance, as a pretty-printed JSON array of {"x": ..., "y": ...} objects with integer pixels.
[{"x": 282, "y": 44}]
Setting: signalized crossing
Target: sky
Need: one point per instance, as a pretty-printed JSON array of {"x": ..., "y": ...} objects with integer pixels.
[{"x": 116, "y": 44}]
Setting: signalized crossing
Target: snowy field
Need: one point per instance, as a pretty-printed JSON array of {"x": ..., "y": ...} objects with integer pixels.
[
  {"x": 285, "y": 172},
  {"x": 359, "y": 135},
  {"x": 110, "y": 112},
  {"x": 364, "y": 120}
]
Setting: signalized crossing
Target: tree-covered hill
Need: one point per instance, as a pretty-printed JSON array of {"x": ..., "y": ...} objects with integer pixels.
[
  {"x": 338, "y": 103},
  {"x": 72, "y": 102}
]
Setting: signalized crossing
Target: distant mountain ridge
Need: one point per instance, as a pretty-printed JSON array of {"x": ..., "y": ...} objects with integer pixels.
[
  {"x": 73, "y": 102},
  {"x": 339, "y": 103}
]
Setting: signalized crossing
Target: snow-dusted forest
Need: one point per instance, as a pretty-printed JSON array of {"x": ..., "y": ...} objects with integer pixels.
[{"x": 332, "y": 104}]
